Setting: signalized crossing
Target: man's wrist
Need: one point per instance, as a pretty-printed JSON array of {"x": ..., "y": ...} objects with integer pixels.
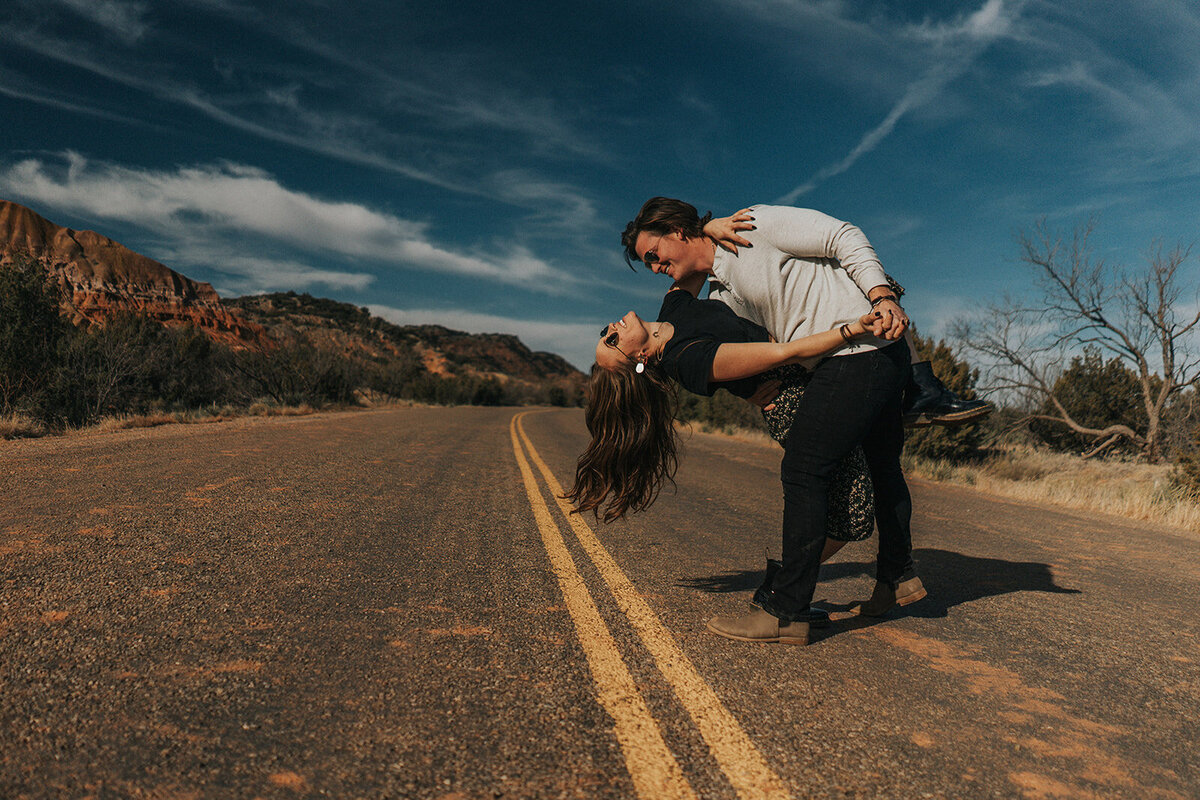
[{"x": 883, "y": 297}]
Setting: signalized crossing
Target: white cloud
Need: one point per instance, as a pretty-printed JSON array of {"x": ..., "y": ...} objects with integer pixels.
[
  {"x": 253, "y": 275},
  {"x": 231, "y": 200},
  {"x": 574, "y": 341}
]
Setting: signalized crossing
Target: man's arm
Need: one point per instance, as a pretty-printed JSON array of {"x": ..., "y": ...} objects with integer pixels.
[{"x": 805, "y": 233}]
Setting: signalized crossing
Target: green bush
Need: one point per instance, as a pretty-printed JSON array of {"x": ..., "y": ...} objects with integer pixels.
[
  {"x": 133, "y": 365},
  {"x": 1096, "y": 393},
  {"x": 297, "y": 373},
  {"x": 31, "y": 333},
  {"x": 723, "y": 412}
]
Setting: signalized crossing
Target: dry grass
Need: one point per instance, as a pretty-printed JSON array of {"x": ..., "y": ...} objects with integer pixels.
[
  {"x": 273, "y": 410},
  {"x": 732, "y": 431},
  {"x": 19, "y": 426},
  {"x": 1137, "y": 491},
  {"x": 127, "y": 422},
  {"x": 16, "y": 426}
]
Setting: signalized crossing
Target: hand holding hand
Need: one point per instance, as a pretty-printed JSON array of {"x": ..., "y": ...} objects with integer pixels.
[
  {"x": 890, "y": 321},
  {"x": 723, "y": 230}
]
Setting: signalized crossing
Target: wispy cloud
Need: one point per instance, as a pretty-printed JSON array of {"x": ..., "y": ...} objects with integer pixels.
[
  {"x": 575, "y": 341},
  {"x": 554, "y": 204},
  {"x": 121, "y": 18},
  {"x": 235, "y": 200},
  {"x": 1142, "y": 106},
  {"x": 334, "y": 135},
  {"x": 956, "y": 46},
  {"x": 65, "y": 105}
]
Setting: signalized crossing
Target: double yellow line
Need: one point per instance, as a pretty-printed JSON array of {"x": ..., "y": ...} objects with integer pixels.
[{"x": 653, "y": 768}]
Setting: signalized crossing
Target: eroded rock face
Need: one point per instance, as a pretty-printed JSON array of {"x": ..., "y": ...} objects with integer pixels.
[{"x": 100, "y": 278}]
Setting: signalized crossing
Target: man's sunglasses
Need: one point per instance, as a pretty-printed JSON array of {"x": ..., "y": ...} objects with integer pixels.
[{"x": 650, "y": 257}]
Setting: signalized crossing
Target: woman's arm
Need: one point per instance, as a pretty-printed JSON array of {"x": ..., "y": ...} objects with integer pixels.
[
  {"x": 724, "y": 230},
  {"x": 743, "y": 359}
]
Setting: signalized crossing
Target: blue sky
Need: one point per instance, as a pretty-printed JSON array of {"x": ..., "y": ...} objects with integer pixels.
[{"x": 473, "y": 164}]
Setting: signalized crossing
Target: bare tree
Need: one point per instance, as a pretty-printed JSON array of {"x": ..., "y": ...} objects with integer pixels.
[{"x": 1136, "y": 315}]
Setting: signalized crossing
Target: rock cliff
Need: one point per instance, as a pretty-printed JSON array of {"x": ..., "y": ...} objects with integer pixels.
[{"x": 99, "y": 278}]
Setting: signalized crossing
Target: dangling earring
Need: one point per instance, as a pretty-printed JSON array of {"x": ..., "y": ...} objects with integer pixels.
[{"x": 640, "y": 368}]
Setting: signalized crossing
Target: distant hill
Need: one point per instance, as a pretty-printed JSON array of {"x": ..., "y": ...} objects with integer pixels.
[
  {"x": 347, "y": 328},
  {"x": 101, "y": 278}
]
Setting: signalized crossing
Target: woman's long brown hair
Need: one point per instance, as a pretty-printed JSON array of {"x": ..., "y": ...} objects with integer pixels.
[{"x": 632, "y": 454}]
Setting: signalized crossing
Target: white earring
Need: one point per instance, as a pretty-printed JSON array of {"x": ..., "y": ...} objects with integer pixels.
[{"x": 640, "y": 368}]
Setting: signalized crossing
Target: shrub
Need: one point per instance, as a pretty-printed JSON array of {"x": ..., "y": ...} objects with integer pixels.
[
  {"x": 1096, "y": 393},
  {"x": 31, "y": 330},
  {"x": 296, "y": 373},
  {"x": 723, "y": 411}
]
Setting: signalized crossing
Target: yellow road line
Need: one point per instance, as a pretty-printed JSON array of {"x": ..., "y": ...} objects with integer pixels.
[
  {"x": 653, "y": 768},
  {"x": 741, "y": 761}
]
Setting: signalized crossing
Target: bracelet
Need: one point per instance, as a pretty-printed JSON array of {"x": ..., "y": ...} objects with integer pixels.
[
  {"x": 845, "y": 332},
  {"x": 883, "y": 297}
]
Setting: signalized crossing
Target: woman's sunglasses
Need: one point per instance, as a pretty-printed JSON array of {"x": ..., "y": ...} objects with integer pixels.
[{"x": 612, "y": 338}]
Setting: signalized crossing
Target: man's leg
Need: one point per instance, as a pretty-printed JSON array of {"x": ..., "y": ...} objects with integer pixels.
[
  {"x": 837, "y": 410},
  {"x": 825, "y": 428},
  {"x": 895, "y": 572}
]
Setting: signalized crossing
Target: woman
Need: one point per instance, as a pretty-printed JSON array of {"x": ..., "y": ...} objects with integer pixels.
[{"x": 704, "y": 346}]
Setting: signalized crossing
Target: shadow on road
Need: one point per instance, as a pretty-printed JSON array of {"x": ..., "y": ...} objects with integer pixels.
[{"x": 951, "y": 579}]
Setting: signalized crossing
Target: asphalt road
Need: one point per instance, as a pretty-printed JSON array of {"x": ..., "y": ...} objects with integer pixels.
[{"x": 392, "y": 604}]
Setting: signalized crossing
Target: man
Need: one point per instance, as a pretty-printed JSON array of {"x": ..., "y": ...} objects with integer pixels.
[{"x": 806, "y": 272}]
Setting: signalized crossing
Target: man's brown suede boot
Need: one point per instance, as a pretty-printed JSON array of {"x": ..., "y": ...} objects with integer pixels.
[
  {"x": 759, "y": 626},
  {"x": 885, "y": 597}
]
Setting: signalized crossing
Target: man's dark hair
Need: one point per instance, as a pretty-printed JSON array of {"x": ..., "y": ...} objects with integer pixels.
[{"x": 662, "y": 215}]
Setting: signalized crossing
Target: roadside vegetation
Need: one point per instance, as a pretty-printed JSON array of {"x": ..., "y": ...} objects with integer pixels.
[{"x": 134, "y": 372}]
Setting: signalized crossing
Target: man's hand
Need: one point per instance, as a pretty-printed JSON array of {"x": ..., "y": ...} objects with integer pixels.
[
  {"x": 723, "y": 230},
  {"x": 764, "y": 396},
  {"x": 892, "y": 322}
]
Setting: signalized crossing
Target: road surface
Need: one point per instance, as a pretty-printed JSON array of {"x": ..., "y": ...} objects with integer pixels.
[{"x": 392, "y": 604}]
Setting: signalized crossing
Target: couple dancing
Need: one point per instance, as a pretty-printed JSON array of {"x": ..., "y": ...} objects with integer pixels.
[{"x": 800, "y": 313}]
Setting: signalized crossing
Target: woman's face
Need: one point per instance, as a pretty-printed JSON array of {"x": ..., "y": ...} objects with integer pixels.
[{"x": 631, "y": 337}]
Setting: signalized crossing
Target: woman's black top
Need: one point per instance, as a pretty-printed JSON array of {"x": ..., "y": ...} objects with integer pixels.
[{"x": 701, "y": 326}]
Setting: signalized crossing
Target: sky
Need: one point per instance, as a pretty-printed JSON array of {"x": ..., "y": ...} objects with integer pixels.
[{"x": 472, "y": 164}]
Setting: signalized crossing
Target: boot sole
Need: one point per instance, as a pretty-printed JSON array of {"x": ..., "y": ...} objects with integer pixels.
[
  {"x": 960, "y": 416},
  {"x": 776, "y": 640}
]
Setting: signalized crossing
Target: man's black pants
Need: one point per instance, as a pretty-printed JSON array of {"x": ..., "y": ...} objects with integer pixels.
[{"x": 850, "y": 400}]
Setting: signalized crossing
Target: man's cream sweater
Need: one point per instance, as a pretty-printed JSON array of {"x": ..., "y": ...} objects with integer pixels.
[{"x": 806, "y": 273}]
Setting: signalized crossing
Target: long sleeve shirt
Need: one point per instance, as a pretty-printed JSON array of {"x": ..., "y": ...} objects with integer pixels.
[{"x": 806, "y": 273}]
